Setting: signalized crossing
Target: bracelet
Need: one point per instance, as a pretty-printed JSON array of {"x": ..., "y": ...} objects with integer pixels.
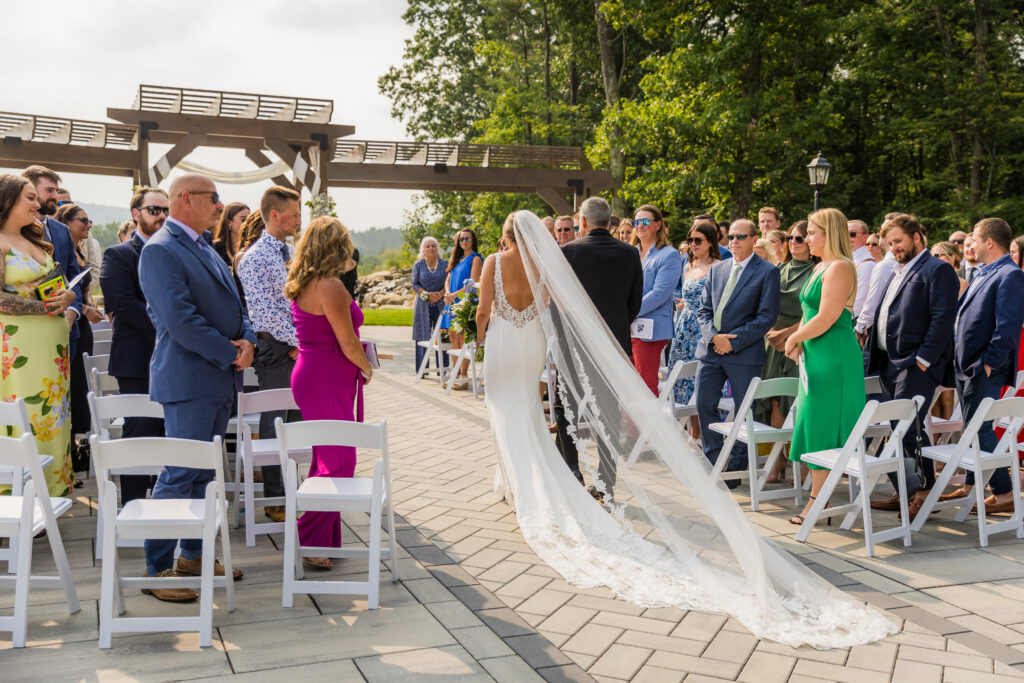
[{"x": 366, "y": 378}]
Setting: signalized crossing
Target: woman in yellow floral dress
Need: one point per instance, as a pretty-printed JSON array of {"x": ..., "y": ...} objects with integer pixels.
[{"x": 35, "y": 333}]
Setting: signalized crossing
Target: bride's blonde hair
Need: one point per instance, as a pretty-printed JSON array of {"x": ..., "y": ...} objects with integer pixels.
[{"x": 508, "y": 230}]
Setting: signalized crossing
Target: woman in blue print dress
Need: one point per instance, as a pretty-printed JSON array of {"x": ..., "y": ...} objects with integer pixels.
[
  {"x": 465, "y": 264},
  {"x": 703, "y": 243}
]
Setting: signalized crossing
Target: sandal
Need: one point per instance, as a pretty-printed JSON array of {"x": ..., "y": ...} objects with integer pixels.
[
  {"x": 794, "y": 518},
  {"x": 321, "y": 563}
]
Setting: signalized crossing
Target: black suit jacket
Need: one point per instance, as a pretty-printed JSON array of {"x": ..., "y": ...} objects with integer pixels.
[
  {"x": 134, "y": 334},
  {"x": 920, "y": 321},
  {"x": 612, "y": 276}
]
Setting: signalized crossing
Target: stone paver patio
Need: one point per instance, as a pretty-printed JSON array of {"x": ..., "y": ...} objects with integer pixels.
[{"x": 475, "y": 603}]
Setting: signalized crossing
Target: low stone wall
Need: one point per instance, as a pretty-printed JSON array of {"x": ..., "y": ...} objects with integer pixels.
[{"x": 386, "y": 289}]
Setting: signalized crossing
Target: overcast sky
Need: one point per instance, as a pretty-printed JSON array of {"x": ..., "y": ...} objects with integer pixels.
[{"x": 75, "y": 58}]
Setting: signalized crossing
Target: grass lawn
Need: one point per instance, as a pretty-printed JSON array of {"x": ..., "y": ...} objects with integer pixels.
[{"x": 400, "y": 317}]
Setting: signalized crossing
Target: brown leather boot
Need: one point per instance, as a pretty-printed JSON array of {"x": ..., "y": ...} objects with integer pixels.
[
  {"x": 170, "y": 594},
  {"x": 274, "y": 512}
]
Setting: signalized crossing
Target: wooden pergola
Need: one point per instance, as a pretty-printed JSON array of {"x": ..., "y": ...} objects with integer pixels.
[{"x": 298, "y": 131}]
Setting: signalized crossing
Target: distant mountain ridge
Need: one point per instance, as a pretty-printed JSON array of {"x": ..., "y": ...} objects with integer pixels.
[
  {"x": 376, "y": 240},
  {"x": 101, "y": 214}
]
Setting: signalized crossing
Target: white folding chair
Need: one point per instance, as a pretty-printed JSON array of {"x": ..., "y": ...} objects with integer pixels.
[
  {"x": 967, "y": 453},
  {"x": 329, "y": 494},
  {"x": 746, "y": 429},
  {"x": 435, "y": 351},
  {"x": 22, "y": 516},
  {"x": 665, "y": 400},
  {"x": 682, "y": 411},
  {"x": 15, "y": 414},
  {"x": 1004, "y": 422},
  {"x": 252, "y": 453},
  {"x": 164, "y": 518},
  {"x": 104, "y": 411},
  {"x": 855, "y": 460},
  {"x": 93, "y": 362},
  {"x": 100, "y": 348},
  {"x": 476, "y": 370},
  {"x": 102, "y": 334}
]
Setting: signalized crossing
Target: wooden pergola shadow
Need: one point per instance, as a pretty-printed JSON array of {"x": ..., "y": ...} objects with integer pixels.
[{"x": 298, "y": 131}]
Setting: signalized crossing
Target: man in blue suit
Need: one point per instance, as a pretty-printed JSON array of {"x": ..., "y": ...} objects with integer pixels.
[
  {"x": 203, "y": 338},
  {"x": 134, "y": 336},
  {"x": 987, "y": 331},
  {"x": 910, "y": 346},
  {"x": 739, "y": 305},
  {"x": 47, "y": 183}
]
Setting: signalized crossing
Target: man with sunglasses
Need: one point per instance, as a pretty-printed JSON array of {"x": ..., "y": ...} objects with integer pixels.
[
  {"x": 739, "y": 306},
  {"x": 203, "y": 342},
  {"x": 131, "y": 346},
  {"x": 564, "y": 232},
  {"x": 862, "y": 260}
]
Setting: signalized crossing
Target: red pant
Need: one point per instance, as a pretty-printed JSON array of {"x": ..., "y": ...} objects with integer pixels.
[{"x": 647, "y": 361}]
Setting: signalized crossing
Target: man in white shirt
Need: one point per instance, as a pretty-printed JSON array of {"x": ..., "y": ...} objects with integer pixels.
[
  {"x": 862, "y": 261},
  {"x": 879, "y": 276}
]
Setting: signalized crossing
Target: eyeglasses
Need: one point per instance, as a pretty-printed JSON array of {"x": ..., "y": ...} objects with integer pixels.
[
  {"x": 739, "y": 238},
  {"x": 695, "y": 240},
  {"x": 795, "y": 239},
  {"x": 641, "y": 221},
  {"x": 156, "y": 210},
  {"x": 82, "y": 220},
  {"x": 872, "y": 244},
  {"x": 465, "y": 239},
  {"x": 214, "y": 196},
  {"x": 960, "y": 242},
  {"x": 569, "y": 229},
  {"x": 854, "y": 233}
]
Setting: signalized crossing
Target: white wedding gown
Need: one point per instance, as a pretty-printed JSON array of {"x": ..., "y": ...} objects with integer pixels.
[{"x": 655, "y": 548}]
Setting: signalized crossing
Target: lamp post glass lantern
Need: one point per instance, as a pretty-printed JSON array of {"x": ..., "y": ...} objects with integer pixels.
[{"x": 818, "y": 171}]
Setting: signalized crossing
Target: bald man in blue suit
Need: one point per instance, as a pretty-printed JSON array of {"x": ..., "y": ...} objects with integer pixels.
[{"x": 203, "y": 340}]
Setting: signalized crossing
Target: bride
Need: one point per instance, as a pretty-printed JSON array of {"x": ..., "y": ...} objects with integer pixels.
[{"x": 674, "y": 535}]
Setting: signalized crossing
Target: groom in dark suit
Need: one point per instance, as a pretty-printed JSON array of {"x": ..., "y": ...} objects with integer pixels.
[
  {"x": 739, "y": 305},
  {"x": 910, "y": 343},
  {"x": 612, "y": 277}
]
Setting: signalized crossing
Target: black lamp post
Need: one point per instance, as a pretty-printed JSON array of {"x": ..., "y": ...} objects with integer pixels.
[{"x": 818, "y": 171}]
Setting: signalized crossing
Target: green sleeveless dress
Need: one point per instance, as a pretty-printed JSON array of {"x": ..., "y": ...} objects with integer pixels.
[{"x": 828, "y": 407}]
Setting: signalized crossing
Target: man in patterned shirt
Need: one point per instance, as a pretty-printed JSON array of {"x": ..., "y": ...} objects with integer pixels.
[{"x": 263, "y": 271}]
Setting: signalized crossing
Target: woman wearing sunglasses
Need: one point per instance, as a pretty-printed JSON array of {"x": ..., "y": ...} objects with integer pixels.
[
  {"x": 703, "y": 253},
  {"x": 662, "y": 265},
  {"x": 465, "y": 264},
  {"x": 793, "y": 274}
]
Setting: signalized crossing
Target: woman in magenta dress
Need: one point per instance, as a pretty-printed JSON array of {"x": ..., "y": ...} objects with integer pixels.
[{"x": 331, "y": 367}]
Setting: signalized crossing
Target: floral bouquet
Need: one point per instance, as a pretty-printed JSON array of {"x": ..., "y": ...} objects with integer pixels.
[{"x": 464, "y": 315}]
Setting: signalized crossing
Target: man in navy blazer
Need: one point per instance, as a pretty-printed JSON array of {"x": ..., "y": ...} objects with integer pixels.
[
  {"x": 132, "y": 343},
  {"x": 203, "y": 338},
  {"x": 47, "y": 183},
  {"x": 910, "y": 343},
  {"x": 733, "y": 326},
  {"x": 987, "y": 331}
]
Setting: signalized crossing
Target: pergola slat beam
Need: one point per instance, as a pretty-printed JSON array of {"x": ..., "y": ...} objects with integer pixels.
[
  {"x": 291, "y": 131},
  {"x": 162, "y": 168},
  {"x": 261, "y": 160}
]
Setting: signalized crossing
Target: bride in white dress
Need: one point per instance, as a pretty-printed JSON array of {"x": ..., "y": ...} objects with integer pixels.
[{"x": 674, "y": 536}]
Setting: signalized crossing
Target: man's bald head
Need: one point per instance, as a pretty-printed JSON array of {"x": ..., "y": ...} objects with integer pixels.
[{"x": 195, "y": 202}]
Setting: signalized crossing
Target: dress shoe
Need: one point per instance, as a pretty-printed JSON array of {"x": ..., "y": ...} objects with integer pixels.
[
  {"x": 195, "y": 567},
  {"x": 553, "y": 428},
  {"x": 888, "y": 505},
  {"x": 913, "y": 507},
  {"x": 170, "y": 594},
  {"x": 274, "y": 512},
  {"x": 597, "y": 495},
  {"x": 959, "y": 493},
  {"x": 733, "y": 484}
]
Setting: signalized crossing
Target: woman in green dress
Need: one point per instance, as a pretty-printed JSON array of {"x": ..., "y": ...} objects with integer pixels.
[
  {"x": 831, "y": 395},
  {"x": 35, "y": 334},
  {"x": 794, "y": 272}
]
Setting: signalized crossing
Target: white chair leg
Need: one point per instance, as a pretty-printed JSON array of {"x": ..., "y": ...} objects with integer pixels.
[
  {"x": 394, "y": 543},
  {"x": 119, "y": 594},
  {"x": 980, "y": 481},
  {"x": 752, "y": 478},
  {"x": 869, "y": 531},
  {"x": 290, "y": 539},
  {"x": 373, "y": 575},
  {"x": 225, "y": 550},
  {"x": 1015, "y": 481},
  {"x": 209, "y": 550},
  {"x": 901, "y": 484},
  {"x": 23, "y": 579},
  {"x": 107, "y": 581},
  {"x": 236, "y": 500},
  {"x": 250, "y": 503}
]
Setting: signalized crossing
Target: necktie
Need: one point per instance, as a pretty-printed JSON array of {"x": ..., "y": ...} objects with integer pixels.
[
  {"x": 726, "y": 293},
  {"x": 970, "y": 273},
  {"x": 214, "y": 258}
]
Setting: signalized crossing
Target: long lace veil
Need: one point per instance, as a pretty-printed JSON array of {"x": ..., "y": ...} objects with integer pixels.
[{"x": 685, "y": 539}]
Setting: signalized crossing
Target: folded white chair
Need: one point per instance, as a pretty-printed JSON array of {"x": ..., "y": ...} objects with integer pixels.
[
  {"x": 749, "y": 431},
  {"x": 105, "y": 411},
  {"x": 252, "y": 453},
  {"x": 967, "y": 453},
  {"x": 94, "y": 362},
  {"x": 165, "y": 518},
  {"x": 101, "y": 347},
  {"x": 476, "y": 369},
  {"x": 941, "y": 430},
  {"x": 22, "y": 516},
  {"x": 855, "y": 460},
  {"x": 435, "y": 351},
  {"x": 102, "y": 333},
  {"x": 15, "y": 414},
  {"x": 371, "y": 495}
]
